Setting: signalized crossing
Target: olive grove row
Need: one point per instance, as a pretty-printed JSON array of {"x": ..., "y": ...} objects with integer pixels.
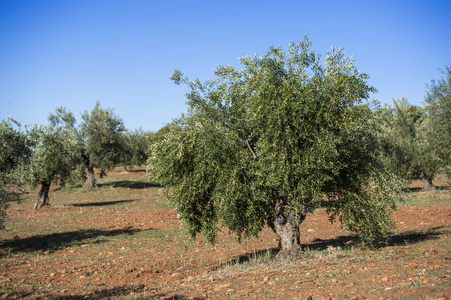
[{"x": 261, "y": 145}]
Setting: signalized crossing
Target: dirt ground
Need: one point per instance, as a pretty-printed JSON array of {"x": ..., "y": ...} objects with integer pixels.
[{"x": 124, "y": 242}]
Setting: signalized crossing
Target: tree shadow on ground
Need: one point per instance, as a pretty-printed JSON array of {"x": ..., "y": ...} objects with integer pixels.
[
  {"x": 140, "y": 292},
  {"x": 249, "y": 257},
  {"x": 102, "y": 203},
  {"x": 56, "y": 241},
  {"x": 138, "y": 171},
  {"x": 136, "y": 185},
  {"x": 414, "y": 190},
  {"x": 401, "y": 239},
  {"x": 416, "y": 236}
]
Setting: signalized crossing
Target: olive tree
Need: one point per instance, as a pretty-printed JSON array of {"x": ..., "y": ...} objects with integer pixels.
[
  {"x": 15, "y": 153},
  {"x": 409, "y": 130},
  {"x": 438, "y": 106},
  {"x": 105, "y": 144},
  {"x": 56, "y": 154},
  {"x": 427, "y": 163},
  {"x": 269, "y": 143},
  {"x": 139, "y": 142}
]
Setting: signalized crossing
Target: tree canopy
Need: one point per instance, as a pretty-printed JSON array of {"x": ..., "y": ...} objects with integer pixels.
[
  {"x": 438, "y": 105},
  {"x": 15, "y": 154},
  {"x": 56, "y": 154},
  {"x": 406, "y": 128},
  {"x": 102, "y": 133},
  {"x": 420, "y": 136},
  {"x": 139, "y": 143},
  {"x": 271, "y": 142}
]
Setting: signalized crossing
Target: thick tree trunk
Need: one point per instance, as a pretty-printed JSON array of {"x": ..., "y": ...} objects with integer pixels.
[
  {"x": 287, "y": 229},
  {"x": 43, "y": 197},
  {"x": 90, "y": 182},
  {"x": 427, "y": 180}
]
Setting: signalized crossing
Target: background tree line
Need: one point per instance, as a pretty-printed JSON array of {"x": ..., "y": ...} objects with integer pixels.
[
  {"x": 63, "y": 152},
  {"x": 264, "y": 144},
  {"x": 419, "y": 138}
]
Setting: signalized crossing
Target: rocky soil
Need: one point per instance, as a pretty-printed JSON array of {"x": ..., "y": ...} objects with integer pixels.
[{"x": 124, "y": 242}]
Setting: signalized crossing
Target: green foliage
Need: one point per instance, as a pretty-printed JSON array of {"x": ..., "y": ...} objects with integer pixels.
[
  {"x": 102, "y": 132},
  {"x": 62, "y": 118},
  {"x": 409, "y": 131},
  {"x": 362, "y": 194},
  {"x": 160, "y": 135},
  {"x": 15, "y": 152},
  {"x": 54, "y": 155},
  {"x": 139, "y": 143},
  {"x": 57, "y": 151},
  {"x": 427, "y": 162},
  {"x": 438, "y": 106},
  {"x": 400, "y": 124},
  {"x": 420, "y": 137},
  {"x": 283, "y": 127}
]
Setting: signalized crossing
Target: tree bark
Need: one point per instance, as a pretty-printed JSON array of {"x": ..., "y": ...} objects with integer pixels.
[
  {"x": 427, "y": 180},
  {"x": 43, "y": 197},
  {"x": 90, "y": 182},
  {"x": 287, "y": 229}
]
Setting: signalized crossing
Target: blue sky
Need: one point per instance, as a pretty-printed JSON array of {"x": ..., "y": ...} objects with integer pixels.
[{"x": 122, "y": 53}]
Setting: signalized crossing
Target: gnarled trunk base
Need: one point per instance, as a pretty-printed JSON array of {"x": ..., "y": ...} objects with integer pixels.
[
  {"x": 90, "y": 182},
  {"x": 428, "y": 185},
  {"x": 287, "y": 229},
  {"x": 43, "y": 197}
]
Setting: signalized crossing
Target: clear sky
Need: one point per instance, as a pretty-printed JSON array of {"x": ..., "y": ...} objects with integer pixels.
[{"x": 122, "y": 53}]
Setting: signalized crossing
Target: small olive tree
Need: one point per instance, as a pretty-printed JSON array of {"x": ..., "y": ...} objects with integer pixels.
[
  {"x": 139, "y": 142},
  {"x": 56, "y": 153},
  {"x": 271, "y": 142},
  {"x": 408, "y": 129},
  {"x": 15, "y": 153},
  {"x": 105, "y": 144},
  {"x": 438, "y": 106}
]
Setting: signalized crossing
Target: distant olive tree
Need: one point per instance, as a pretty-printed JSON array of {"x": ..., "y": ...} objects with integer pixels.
[
  {"x": 410, "y": 133},
  {"x": 438, "y": 106},
  {"x": 105, "y": 144},
  {"x": 15, "y": 153},
  {"x": 139, "y": 142},
  {"x": 56, "y": 154},
  {"x": 271, "y": 142}
]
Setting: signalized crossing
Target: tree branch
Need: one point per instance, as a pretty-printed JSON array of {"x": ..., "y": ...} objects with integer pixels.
[{"x": 250, "y": 148}]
